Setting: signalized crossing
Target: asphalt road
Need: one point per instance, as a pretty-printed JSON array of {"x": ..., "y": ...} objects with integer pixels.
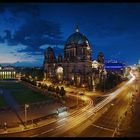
[
  {"x": 114, "y": 115},
  {"x": 106, "y": 124},
  {"x": 99, "y": 120},
  {"x": 134, "y": 128},
  {"x": 55, "y": 124}
]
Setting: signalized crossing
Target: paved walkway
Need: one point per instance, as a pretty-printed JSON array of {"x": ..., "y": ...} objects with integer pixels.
[
  {"x": 10, "y": 100},
  {"x": 33, "y": 112},
  {"x": 15, "y": 108}
]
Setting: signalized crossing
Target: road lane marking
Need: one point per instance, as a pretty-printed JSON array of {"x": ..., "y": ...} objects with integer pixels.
[
  {"x": 47, "y": 131},
  {"x": 62, "y": 120},
  {"x": 105, "y": 102},
  {"x": 102, "y": 127},
  {"x": 60, "y": 125},
  {"x": 34, "y": 135}
]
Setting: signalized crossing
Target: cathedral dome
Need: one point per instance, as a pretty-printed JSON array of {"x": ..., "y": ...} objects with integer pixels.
[
  {"x": 77, "y": 47},
  {"x": 76, "y": 38}
]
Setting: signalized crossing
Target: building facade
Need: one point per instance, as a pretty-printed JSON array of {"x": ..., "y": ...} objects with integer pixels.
[
  {"x": 76, "y": 66},
  {"x": 7, "y": 73},
  {"x": 114, "y": 65}
]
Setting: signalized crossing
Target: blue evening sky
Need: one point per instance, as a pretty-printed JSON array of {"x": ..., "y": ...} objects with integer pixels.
[{"x": 26, "y": 29}]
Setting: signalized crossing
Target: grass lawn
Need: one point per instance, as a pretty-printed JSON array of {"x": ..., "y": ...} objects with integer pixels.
[
  {"x": 23, "y": 94},
  {"x": 2, "y": 102}
]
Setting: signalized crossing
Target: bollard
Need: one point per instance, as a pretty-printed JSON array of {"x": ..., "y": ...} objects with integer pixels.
[{"x": 5, "y": 126}]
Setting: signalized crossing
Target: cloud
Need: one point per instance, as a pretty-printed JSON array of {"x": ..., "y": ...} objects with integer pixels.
[
  {"x": 37, "y": 32},
  {"x": 13, "y": 13},
  {"x": 32, "y": 9},
  {"x": 1, "y": 39},
  {"x": 7, "y": 54},
  {"x": 18, "y": 8},
  {"x": 33, "y": 34},
  {"x": 8, "y": 38},
  {"x": 8, "y": 34},
  {"x": 10, "y": 55}
]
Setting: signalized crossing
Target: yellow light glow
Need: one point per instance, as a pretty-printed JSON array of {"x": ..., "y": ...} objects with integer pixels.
[
  {"x": 72, "y": 77},
  {"x": 59, "y": 70},
  {"x": 83, "y": 85}
]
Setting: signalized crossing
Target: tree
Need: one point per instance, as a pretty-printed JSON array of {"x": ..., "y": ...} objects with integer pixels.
[
  {"x": 46, "y": 87},
  {"x": 53, "y": 89},
  {"x": 62, "y": 91},
  {"x": 57, "y": 90},
  {"x": 50, "y": 88},
  {"x": 39, "y": 84}
]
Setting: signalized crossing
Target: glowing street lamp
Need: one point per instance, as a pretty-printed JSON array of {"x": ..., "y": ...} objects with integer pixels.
[
  {"x": 104, "y": 76},
  {"x": 25, "y": 110},
  {"x": 35, "y": 77},
  {"x": 5, "y": 126},
  {"x": 30, "y": 76}
]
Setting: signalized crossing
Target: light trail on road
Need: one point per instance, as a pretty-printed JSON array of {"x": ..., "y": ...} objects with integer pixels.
[
  {"x": 71, "y": 120},
  {"x": 85, "y": 113}
]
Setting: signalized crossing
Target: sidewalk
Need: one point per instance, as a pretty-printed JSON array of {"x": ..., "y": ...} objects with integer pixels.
[
  {"x": 42, "y": 114},
  {"x": 134, "y": 127},
  {"x": 33, "y": 125},
  {"x": 32, "y": 113}
]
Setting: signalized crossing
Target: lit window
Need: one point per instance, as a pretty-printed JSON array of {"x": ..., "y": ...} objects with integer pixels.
[{"x": 59, "y": 70}]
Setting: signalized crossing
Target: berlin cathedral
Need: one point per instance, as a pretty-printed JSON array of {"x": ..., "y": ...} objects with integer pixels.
[{"x": 76, "y": 68}]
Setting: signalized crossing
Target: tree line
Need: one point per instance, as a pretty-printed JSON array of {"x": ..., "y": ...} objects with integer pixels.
[{"x": 58, "y": 90}]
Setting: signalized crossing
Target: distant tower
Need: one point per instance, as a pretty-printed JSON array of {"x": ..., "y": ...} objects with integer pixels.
[
  {"x": 49, "y": 55},
  {"x": 100, "y": 57}
]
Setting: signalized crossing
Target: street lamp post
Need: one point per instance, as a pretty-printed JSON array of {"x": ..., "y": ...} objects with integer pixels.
[
  {"x": 104, "y": 77},
  {"x": 77, "y": 99},
  {"x": 5, "y": 126},
  {"x": 25, "y": 110}
]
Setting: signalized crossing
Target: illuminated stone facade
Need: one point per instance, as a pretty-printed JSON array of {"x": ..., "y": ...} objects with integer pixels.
[
  {"x": 76, "y": 66},
  {"x": 7, "y": 73}
]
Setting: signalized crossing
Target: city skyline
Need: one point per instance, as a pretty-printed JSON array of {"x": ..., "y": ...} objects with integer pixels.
[
  {"x": 28, "y": 29},
  {"x": 69, "y": 70}
]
